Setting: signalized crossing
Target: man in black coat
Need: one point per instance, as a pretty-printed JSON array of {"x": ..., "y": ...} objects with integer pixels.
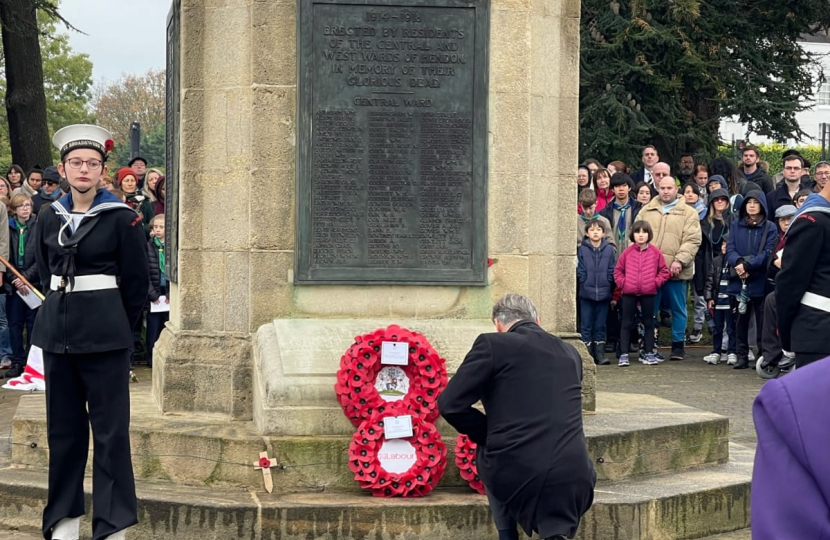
[
  {"x": 532, "y": 455},
  {"x": 802, "y": 287}
]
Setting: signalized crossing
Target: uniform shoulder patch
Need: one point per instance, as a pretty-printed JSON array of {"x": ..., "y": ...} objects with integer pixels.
[
  {"x": 136, "y": 221},
  {"x": 807, "y": 216}
]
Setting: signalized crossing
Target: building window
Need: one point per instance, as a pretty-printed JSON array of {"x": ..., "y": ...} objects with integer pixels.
[{"x": 824, "y": 94}]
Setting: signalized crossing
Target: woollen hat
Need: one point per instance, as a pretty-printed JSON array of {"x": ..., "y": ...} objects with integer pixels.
[
  {"x": 125, "y": 172},
  {"x": 51, "y": 175},
  {"x": 83, "y": 136}
]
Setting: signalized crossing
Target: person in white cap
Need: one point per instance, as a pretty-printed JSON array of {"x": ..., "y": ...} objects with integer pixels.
[{"x": 93, "y": 262}]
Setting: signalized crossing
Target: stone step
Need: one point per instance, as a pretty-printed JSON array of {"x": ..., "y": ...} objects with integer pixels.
[
  {"x": 743, "y": 534},
  {"x": 630, "y": 435},
  {"x": 681, "y": 505}
]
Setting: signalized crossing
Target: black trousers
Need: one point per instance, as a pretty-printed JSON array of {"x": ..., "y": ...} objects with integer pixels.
[
  {"x": 770, "y": 342},
  {"x": 756, "y": 305},
  {"x": 20, "y": 316},
  {"x": 629, "y": 311},
  {"x": 155, "y": 324},
  {"x": 99, "y": 382}
]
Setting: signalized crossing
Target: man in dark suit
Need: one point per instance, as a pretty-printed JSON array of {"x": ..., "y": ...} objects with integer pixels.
[{"x": 532, "y": 455}]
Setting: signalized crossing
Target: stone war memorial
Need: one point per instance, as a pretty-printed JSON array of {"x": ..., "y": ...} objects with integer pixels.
[{"x": 394, "y": 162}]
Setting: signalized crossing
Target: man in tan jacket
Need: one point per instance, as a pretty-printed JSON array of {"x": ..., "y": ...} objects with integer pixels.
[{"x": 676, "y": 229}]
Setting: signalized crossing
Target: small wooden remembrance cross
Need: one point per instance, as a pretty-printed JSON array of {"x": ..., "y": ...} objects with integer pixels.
[{"x": 264, "y": 464}]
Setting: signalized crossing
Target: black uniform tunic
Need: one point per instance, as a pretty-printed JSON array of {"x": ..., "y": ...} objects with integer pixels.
[
  {"x": 532, "y": 454},
  {"x": 805, "y": 267},
  {"x": 85, "y": 337}
]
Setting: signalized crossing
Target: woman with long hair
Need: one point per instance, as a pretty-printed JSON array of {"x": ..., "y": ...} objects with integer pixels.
[
  {"x": 15, "y": 175},
  {"x": 736, "y": 184},
  {"x": 602, "y": 187}
]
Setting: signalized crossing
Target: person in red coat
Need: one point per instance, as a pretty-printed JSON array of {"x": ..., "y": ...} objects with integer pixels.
[{"x": 640, "y": 272}]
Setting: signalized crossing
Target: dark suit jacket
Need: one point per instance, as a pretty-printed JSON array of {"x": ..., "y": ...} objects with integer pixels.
[{"x": 531, "y": 438}]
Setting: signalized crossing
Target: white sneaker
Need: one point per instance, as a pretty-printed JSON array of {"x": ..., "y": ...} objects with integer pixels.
[
  {"x": 751, "y": 356},
  {"x": 731, "y": 359},
  {"x": 713, "y": 359},
  {"x": 723, "y": 358},
  {"x": 5, "y": 363}
]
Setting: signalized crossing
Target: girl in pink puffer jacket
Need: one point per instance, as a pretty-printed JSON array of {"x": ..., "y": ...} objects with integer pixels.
[{"x": 640, "y": 272}]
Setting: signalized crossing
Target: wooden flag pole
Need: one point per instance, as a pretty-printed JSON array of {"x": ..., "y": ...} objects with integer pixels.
[{"x": 21, "y": 278}]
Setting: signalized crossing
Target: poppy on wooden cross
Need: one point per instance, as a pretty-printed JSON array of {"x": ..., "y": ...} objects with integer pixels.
[{"x": 265, "y": 464}]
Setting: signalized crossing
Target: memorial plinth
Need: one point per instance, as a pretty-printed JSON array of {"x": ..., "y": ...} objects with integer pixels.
[{"x": 344, "y": 166}]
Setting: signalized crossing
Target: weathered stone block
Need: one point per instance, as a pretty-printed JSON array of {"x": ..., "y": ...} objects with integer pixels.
[
  {"x": 510, "y": 132},
  {"x": 202, "y": 290},
  {"x": 227, "y": 50},
  {"x": 509, "y": 229},
  {"x": 509, "y": 51},
  {"x": 271, "y": 295},
  {"x": 552, "y": 286},
  {"x": 275, "y": 38},
  {"x": 237, "y": 291},
  {"x": 273, "y": 215},
  {"x": 274, "y": 138}
]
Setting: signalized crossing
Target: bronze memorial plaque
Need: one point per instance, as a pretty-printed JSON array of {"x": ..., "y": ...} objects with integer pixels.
[{"x": 392, "y": 142}]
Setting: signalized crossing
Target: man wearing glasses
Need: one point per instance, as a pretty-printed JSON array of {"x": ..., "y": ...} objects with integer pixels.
[
  {"x": 822, "y": 174},
  {"x": 784, "y": 193},
  {"x": 50, "y": 191}
]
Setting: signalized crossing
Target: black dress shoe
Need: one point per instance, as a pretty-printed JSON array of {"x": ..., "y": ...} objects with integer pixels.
[
  {"x": 15, "y": 371},
  {"x": 743, "y": 363}
]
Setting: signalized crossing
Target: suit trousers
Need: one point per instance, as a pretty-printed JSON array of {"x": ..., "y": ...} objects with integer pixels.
[{"x": 82, "y": 390}]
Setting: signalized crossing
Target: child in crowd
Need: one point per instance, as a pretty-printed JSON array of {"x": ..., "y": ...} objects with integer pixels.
[
  {"x": 595, "y": 276},
  {"x": 800, "y": 197},
  {"x": 640, "y": 272},
  {"x": 158, "y": 285},
  {"x": 717, "y": 282},
  {"x": 588, "y": 206}
]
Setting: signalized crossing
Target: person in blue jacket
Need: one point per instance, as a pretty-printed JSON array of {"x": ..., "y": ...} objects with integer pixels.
[
  {"x": 595, "y": 275},
  {"x": 752, "y": 239}
]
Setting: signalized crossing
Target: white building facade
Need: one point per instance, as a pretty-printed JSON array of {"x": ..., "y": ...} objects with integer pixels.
[{"x": 810, "y": 119}]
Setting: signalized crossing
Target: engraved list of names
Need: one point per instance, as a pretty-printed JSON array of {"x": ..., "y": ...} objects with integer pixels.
[{"x": 392, "y": 147}]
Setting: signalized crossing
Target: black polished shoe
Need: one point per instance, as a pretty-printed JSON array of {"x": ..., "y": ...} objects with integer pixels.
[
  {"x": 677, "y": 351},
  {"x": 743, "y": 363},
  {"x": 15, "y": 371}
]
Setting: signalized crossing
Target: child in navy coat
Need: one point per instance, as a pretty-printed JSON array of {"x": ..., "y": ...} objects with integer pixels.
[{"x": 595, "y": 275}]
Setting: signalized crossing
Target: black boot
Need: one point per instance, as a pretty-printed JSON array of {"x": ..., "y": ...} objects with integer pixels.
[
  {"x": 677, "y": 351},
  {"x": 743, "y": 363},
  {"x": 599, "y": 356}
]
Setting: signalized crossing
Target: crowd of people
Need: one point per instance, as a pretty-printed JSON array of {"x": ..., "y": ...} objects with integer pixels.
[
  {"x": 24, "y": 194},
  {"x": 655, "y": 248}
]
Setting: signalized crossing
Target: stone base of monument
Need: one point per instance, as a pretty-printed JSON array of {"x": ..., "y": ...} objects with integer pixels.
[{"x": 666, "y": 471}]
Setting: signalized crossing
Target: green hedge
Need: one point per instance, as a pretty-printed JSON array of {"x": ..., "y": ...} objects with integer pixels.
[{"x": 771, "y": 153}]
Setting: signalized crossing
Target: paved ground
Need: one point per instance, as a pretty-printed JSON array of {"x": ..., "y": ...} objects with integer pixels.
[{"x": 719, "y": 389}]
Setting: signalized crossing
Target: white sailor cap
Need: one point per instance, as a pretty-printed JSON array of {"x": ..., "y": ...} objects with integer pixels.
[{"x": 83, "y": 136}]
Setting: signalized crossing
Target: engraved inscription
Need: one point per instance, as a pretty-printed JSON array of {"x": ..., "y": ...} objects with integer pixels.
[{"x": 392, "y": 138}]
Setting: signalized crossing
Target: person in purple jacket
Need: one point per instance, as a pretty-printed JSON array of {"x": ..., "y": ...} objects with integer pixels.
[{"x": 791, "y": 480}]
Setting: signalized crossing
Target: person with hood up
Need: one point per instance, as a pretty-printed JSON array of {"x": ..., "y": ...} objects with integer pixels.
[
  {"x": 791, "y": 477},
  {"x": 713, "y": 228},
  {"x": 752, "y": 240},
  {"x": 50, "y": 191}
]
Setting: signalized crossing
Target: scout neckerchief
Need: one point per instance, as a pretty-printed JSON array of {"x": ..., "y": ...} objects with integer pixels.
[
  {"x": 162, "y": 262},
  {"x": 621, "y": 224},
  {"x": 68, "y": 239},
  {"x": 22, "y": 229}
]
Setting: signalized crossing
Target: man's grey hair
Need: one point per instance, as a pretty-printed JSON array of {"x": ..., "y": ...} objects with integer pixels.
[{"x": 514, "y": 307}]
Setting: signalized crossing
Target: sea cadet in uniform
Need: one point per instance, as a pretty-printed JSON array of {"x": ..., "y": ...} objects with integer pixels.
[{"x": 93, "y": 261}]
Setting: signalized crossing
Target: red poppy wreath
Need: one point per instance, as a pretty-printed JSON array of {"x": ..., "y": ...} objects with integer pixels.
[
  {"x": 465, "y": 460},
  {"x": 365, "y": 385},
  {"x": 407, "y": 467}
]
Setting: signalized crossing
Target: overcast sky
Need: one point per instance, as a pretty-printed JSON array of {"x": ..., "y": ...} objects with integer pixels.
[{"x": 123, "y": 36}]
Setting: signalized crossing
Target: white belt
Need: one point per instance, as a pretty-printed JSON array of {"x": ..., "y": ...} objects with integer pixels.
[
  {"x": 95, "y": 282},
  {"x": 816, "y": 301}
]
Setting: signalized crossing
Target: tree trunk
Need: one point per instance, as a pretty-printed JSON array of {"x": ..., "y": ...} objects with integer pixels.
[{"x": 25, "y": 95}]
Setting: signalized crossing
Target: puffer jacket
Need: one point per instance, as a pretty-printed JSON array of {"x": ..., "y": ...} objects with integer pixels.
[
  {"x": 595, "y": 270},
  {"x": 676, "y": 234},
  {"x": 641, "y": 272},
  {"x": 752, "y": 246}
]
